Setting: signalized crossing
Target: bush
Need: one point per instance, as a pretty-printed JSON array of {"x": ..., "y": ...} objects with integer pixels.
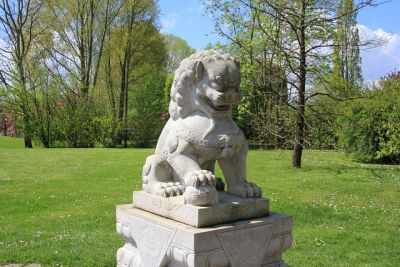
[
  {"x": 106, "y": 129},
  {"x": 321, "y": 123},
  {"x": 371, "y": 130}
]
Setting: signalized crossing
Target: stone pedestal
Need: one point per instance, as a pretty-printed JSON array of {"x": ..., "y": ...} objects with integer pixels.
[
  {"x": 155, "y": 241},
  {"x": 229, "y": 209}
]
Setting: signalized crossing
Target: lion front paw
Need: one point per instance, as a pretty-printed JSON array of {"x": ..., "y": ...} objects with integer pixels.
[
  {"x": 170, "y": 189},
  {"x": 245, "y": 189},
  {"x": 200, "y": 188},
  {"x": 203, "y": 195},
  {"x": 200, "y": 178}
]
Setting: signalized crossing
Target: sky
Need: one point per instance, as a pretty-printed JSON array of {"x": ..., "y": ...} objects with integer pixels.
[{"x": 188, "y": 20}]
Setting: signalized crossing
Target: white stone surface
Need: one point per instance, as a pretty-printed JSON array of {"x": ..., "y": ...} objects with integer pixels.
[
  {"x": 201, "y": 132},
  {"x": 154, "y": 241},
  {"x": 179, "y": 183},
  {"x": 229, "y": 209}
]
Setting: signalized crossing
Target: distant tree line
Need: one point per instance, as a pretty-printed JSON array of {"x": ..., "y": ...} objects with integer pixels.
[
  {"x": 85, "y": 73},
  {"x": 98, "y": 73}
]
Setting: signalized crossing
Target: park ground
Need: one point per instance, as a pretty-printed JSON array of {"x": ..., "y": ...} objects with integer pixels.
[{"x": 57, "y": 206}]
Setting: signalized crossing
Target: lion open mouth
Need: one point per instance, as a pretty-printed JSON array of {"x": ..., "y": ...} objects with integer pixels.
[{"x": 218, "y": 107}]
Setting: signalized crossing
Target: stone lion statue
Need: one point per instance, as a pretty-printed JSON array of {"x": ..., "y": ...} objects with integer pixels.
[{"x": 200, "y": 132}]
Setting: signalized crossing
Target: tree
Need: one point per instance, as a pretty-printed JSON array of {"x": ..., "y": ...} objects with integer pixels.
[
  {"x": 147, "y": 116},
  {"x": 264, "y": 83},
  {"x": 77, "y": 32},
  {"x": 178, "y": 49},
  {"x": 346, "y": 51},
  {"x": 297, "y": 31},
  {"x": 45, "y": 107},
  {"x": 139, "y": 34},
  {"x": 79, "y": 29},
  {"x": 134, "y": 49},
  {"x": 17, "y": 23}
]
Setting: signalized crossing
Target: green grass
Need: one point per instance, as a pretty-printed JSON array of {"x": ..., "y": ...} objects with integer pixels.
[
  {"x": 11, "y": 142},
  {"x": 57, "y": 206}
]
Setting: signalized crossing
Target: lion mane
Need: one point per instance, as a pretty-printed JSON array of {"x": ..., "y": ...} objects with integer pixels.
[{"x": 189, "y": 72}]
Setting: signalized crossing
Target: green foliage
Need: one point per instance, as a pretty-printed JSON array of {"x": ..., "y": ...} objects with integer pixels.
[
  {"x": 80, "y": 89},
  {"x": 147, "y": 117},
  {"x": 390, "y": 141},
  {"x": 106, "y": 129},
  {"x": 264, "y": 114},
  {"x": 46, "y": 114},
  {"x": 265, "y": 123},
  {"x": 167, "y": 91},
  {"x": 77, "y": 128},
  {"x": 346, "y": 53},
  {"x": 178, "y": 49},
  {"x": 60, "y": 208},
  {"x": 322, "y": 123},
  {"x": 135, "y": 53},
  {"x": 371, "y": 128}
]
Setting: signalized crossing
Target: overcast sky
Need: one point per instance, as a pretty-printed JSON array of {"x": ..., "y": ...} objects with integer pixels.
[{"x": 187, "y": 19}]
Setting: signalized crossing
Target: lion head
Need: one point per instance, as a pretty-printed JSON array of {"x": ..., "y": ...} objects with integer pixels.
[{"x": 207, "y": 81}]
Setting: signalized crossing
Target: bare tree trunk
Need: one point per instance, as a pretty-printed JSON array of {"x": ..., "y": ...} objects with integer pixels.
[
  {"x": 122, "y": 100},
  {"x": 4, "y": 121},
  {"x": 278, "y": 127},
  {"x": 27, "y": 132},
  {"x": 24, "y": 101},
  {"x": 300, "y": 122},
  {"x": 111, "y": 95},
  {"x": 126, "y": 111},
  {"x": 126, "y": 70}
]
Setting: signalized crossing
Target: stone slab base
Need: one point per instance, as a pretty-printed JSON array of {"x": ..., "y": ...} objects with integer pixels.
[
  {"x": 155, "y": 241},
  {"x": 230, "y": 208}
]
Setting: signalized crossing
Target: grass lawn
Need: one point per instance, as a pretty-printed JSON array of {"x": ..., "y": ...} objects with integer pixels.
[{"x": 57, "y": 206}]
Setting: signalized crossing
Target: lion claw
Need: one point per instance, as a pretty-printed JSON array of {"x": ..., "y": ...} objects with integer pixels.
[
  {"x": 170, "y": 189},
  {"x": 246, "y": 190},
  {"x": 200, "y": 177}
]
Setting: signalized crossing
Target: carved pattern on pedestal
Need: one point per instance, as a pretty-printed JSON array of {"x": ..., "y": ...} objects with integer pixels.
[
  {"x": 127, "y": 255},
  {"x": 150, "y": 240},
  {"x": 235, "y": 212},
  {"x": 153, "y": 244},
  {"x": 280, "y": 241},
  {"x": 181, "y": 255},
  {"x": 254, "y": 246},
  {"x": 211, "y": 258}
]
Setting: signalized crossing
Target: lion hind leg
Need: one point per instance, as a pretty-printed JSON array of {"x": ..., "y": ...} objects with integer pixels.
[
  {"x": 234, "y": 170},
  {"x": 245, "y": 189},
  {"x": 158, "y": 179}
]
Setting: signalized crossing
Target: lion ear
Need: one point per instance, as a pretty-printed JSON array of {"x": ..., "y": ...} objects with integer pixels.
[{"x": 198, "y": 69}]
